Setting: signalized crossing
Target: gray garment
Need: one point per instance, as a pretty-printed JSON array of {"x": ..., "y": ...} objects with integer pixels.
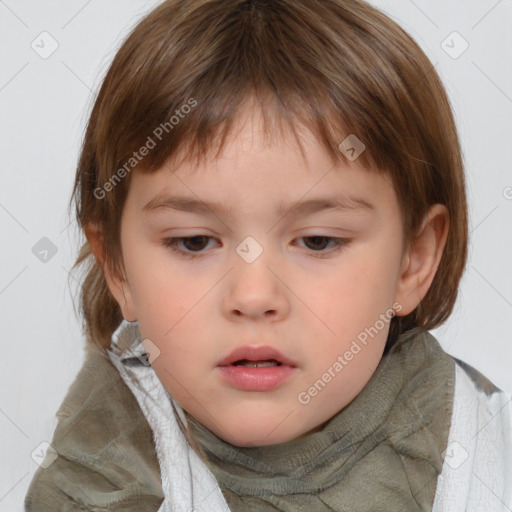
[{"x": 380, "y": 453}]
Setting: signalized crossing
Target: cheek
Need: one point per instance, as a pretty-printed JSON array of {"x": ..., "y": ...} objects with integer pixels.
[
  {"x": 183, "y": 356},
  {"x": 162, "y": 292},
  {"x": 352, "y": 296}
]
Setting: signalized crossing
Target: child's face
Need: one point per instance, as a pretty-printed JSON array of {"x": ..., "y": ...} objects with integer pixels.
[{"x": 301, "y": 296}]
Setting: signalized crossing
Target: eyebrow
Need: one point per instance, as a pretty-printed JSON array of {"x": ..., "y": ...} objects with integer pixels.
[{"x": 339, "y": 202}]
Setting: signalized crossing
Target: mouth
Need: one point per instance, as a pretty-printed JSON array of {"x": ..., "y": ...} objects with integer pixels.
[
  {"x": 250, "y": 368},
  {"x": 256, "y": 357},
  {"x": 257, "y": 364}
]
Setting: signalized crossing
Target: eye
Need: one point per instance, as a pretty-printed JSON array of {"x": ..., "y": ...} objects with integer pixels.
[
  {"x": 318, "y": 243},
  {"x": 194, "y": 243}
]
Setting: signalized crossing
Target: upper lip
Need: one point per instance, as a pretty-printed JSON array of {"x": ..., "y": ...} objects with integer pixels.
[{"x": 256, "y": 353}]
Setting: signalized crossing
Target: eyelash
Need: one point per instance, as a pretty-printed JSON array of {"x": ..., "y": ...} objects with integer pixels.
[{"x": 172, "y": 244}]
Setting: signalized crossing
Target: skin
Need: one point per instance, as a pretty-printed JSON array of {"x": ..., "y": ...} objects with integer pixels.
[{"x": 305, "y": 298}]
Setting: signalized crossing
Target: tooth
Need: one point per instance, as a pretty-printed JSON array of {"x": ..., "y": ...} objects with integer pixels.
[{"x": 258, "y": 364}]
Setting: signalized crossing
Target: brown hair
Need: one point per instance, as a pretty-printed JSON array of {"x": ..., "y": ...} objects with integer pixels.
[{"x": 336, "y": 67}]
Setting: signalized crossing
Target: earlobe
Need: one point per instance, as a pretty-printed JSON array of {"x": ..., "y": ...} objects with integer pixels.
[
  {"x": 117, "y": 284},
  {"x": 420, "y": 263}
]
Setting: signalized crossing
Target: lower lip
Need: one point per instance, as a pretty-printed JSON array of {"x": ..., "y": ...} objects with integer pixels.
[{"x": 249, "y": 378}]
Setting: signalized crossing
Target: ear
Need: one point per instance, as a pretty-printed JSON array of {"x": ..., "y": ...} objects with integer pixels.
[
  {"x": 421, "y": 260},
  {"x": 116, "y": 282}
]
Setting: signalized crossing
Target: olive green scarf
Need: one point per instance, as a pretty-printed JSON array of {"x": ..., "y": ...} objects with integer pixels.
[{"x": 382, "y": 452}]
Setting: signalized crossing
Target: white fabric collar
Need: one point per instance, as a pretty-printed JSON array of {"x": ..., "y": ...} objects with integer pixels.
[
  {"x": 188, "y": 485},
  {"x": 477, "y": 469}
]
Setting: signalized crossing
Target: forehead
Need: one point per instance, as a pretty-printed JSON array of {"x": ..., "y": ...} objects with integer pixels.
[{"x": 263, "y": 167}]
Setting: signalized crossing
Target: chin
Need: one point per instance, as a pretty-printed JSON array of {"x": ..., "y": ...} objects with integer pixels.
[{"x": 259, "y": 435}]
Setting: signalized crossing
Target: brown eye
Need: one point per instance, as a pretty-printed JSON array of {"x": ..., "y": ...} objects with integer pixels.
[
  {"x": 318, "y": 245},
  {"x": 195, "y": 243},
  {"x": 317, "y": 242},
  {"x": 187, "y": 246}
]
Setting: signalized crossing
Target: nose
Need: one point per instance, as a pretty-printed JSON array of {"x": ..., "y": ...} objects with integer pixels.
[{"x": 256, "y": 291}]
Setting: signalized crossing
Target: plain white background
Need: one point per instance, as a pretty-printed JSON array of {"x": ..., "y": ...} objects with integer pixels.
[{"x": 44, "y": 104}]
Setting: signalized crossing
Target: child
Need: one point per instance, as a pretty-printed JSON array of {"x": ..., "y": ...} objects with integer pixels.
[{"x": 283, "y": 363}]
